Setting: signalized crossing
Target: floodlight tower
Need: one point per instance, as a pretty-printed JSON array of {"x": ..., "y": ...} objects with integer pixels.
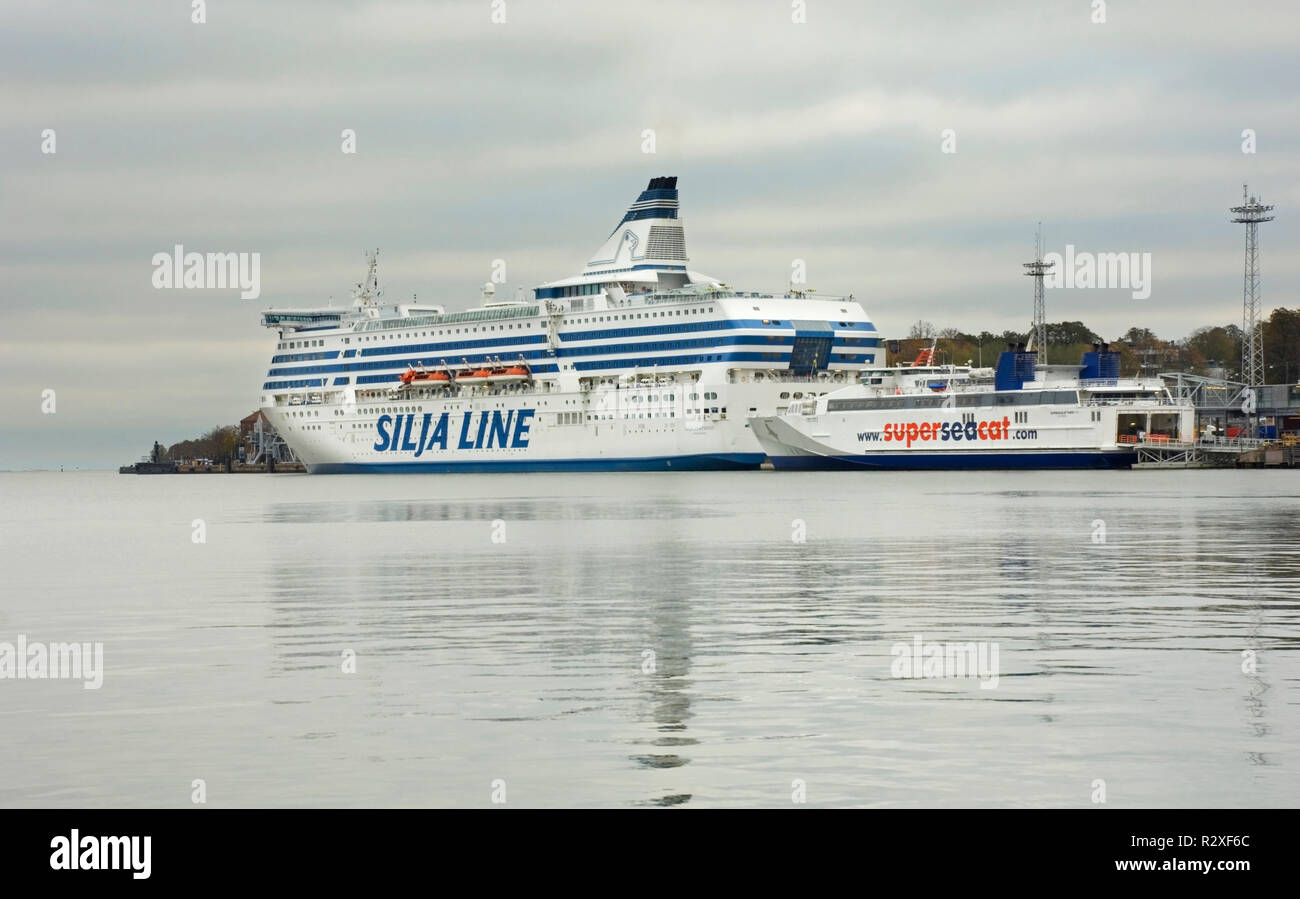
[
  {"x": 1251, "y": 213},
  {"x": 1037, "y": 269}
]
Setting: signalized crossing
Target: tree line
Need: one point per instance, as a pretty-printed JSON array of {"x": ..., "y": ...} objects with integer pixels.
[
  {"x": 1213, "y": 351},
  {"x": 218, "y": 444}
]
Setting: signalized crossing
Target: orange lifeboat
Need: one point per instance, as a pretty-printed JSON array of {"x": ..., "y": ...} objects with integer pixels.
[
  {"x": 412, "y": 376},
  {"x": 513, "y": 374}
]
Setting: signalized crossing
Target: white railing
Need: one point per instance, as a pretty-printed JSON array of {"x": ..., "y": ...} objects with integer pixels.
[{"x": 1236, "y": 442}]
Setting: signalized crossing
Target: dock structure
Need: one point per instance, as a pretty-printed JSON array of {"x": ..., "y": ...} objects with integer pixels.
[
  {"x": 1206, "y": 394},
  {"x": 1216, "y": 452},
  {"x": 1227, "y": 413},
  {"x": 264, "y": 447}
]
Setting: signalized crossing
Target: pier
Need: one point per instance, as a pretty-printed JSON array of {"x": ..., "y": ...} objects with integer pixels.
[
  {"x": 1265, "y": 437},
  {"x": 257, "y": 447},
  {"x": 1218, "y": 452}
]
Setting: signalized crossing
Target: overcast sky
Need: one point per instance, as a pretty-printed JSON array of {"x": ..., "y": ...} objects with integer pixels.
[{"x": 523, "y": 141}]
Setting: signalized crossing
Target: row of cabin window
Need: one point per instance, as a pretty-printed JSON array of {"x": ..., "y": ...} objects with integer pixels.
[{"x": 295, "y": 344}]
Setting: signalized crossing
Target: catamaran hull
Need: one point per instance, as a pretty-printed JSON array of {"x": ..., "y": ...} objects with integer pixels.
[
  {"x": 1019, "y": 460},
  {"x": 1076, "y": 437}
]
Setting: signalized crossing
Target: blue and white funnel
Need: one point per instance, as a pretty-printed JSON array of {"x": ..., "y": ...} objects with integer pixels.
[
  {"x": 650, "y": 235},
  {"x": 645, "y": 251}
]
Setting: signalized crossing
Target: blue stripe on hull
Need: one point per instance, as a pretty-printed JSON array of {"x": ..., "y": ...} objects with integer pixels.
[
  {"x": 702, "y": 462},
  {"x": 937, "y": 461}
]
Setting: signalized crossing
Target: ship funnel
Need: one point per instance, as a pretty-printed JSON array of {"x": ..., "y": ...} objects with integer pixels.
[
  {"x": 1015, "y": 367},
  {"x": 645, "y": 252},
  {"x": 650, "y": 235},
  {"x": 1101, "y": 363}
]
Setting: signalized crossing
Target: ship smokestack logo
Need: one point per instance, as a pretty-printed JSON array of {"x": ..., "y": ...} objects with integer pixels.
[
  {"x": 1130, "y": 271},
  {"x": 179, "y": 269}
]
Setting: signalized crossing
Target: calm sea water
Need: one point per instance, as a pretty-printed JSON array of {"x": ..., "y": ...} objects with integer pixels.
[{"x": 654, "y": 639}]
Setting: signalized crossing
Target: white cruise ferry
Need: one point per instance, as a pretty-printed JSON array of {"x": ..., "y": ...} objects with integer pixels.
[
  {"x": 636, "y": 363},
  {"x": 1021, "y": 415}
]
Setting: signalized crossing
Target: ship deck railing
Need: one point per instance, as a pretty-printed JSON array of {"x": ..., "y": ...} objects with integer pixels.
[
  {"x": 1213, "y": 444},
  {"x": 746, "y": 376},
  {"x": 1130, "y": 401},
  {"x": 688, "y": 294}
]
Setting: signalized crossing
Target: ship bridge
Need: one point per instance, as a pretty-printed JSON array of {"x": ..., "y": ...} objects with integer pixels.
[{"x": 301, "y": 319}]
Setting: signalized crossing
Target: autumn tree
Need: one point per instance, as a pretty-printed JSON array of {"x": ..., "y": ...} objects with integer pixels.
[{"x": 1281, "y": 335}]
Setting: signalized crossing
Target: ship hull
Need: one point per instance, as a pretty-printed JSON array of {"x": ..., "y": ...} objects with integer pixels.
[
  {"x": 1019, "y": 460},
  {"x": 1010, "y": 435},
  {"x": 700, "y": 462},
  {"x": 663, "y": 425}
]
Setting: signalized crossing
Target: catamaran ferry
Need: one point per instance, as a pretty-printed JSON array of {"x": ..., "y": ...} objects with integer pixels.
[
  {"x": 1021, "y": 415},
  {"x": 636, "y": 363}
]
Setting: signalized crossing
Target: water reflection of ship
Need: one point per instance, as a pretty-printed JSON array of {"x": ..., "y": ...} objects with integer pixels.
[
  {"x": 550, "y": 621},
  {"x": 1256, "y": 692},
  {"x": 667, "y": 682}
]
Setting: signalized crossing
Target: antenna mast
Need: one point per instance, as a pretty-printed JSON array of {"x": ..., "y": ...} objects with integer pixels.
[
  {"x": 1251, "y": 213},
  {"x": 1036, "y": 270}
]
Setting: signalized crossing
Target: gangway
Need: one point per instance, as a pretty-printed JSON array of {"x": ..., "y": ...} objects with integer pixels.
[{"x": 1207, "y": 453}]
